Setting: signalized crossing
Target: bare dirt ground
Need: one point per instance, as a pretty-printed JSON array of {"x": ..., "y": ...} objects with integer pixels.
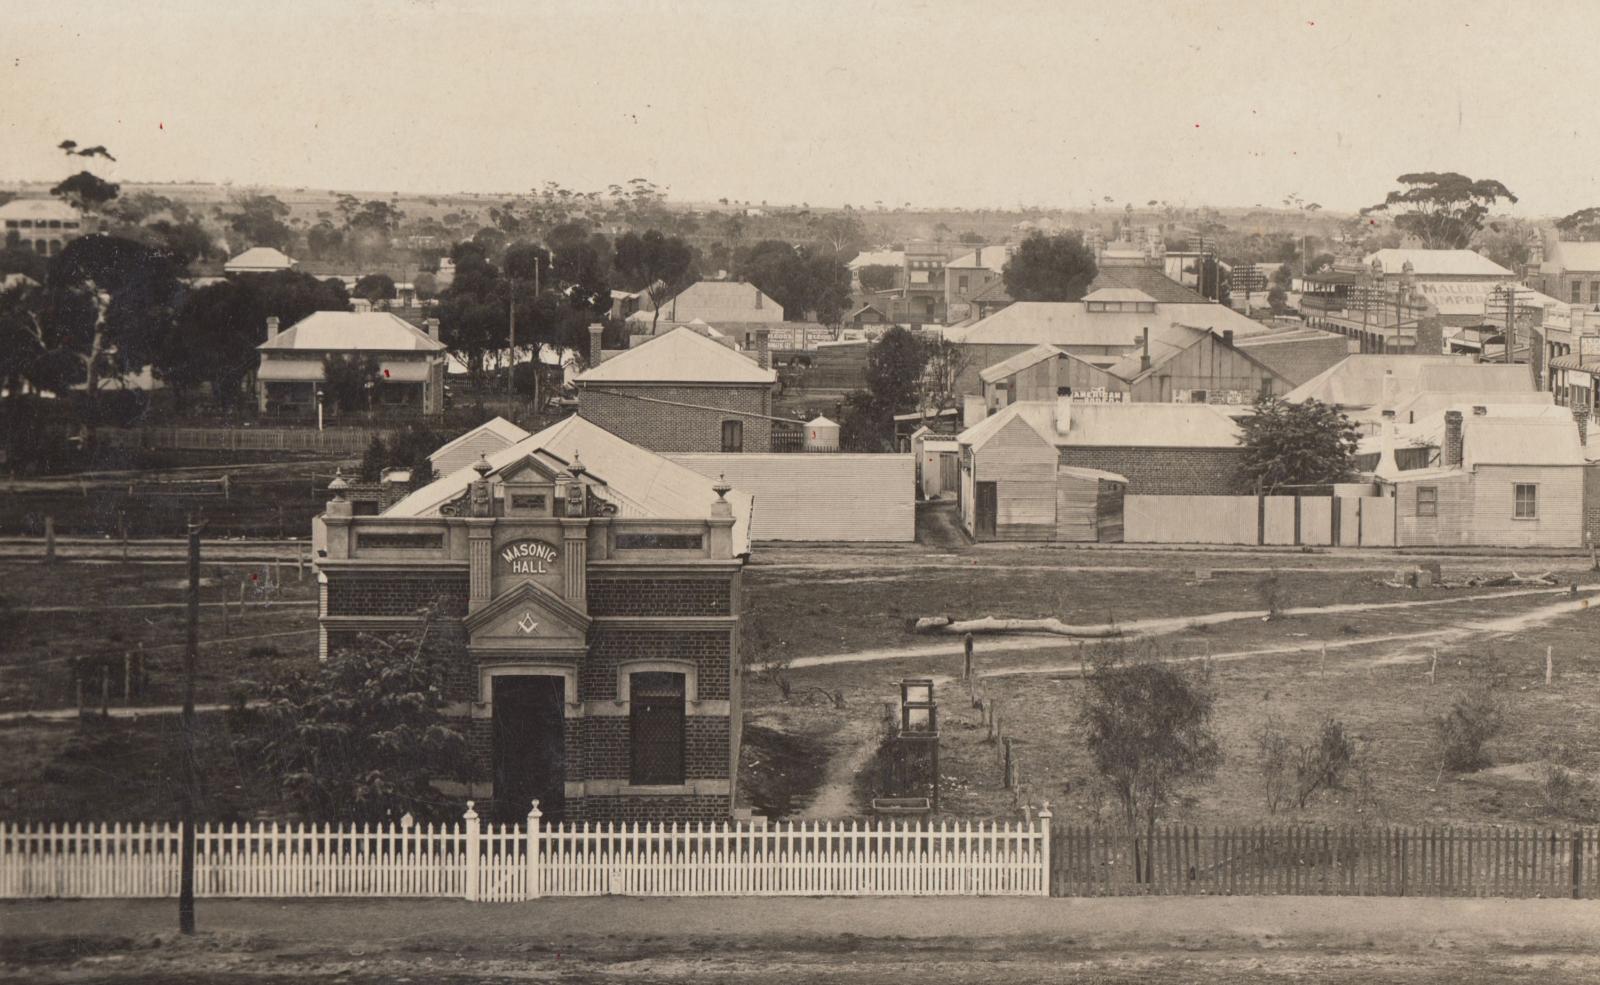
[{"x": 927, "y": 941}]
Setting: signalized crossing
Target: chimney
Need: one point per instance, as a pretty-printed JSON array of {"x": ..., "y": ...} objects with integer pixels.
[
  {"x": 272, "y": 327},
  {"x": 763, "y": 353},
  {"x": 596, "y": 330},
  {"x": 1451, "y": 452},
  {"x": 1580, "y": 415},
  {"x": 1144, "y": 358},
  {"x": 758, "y": 299},
  {"x": 1391, "y": 392},
  {"x": 977, "y": 256},
  {"x": 1227, "y": 337},
  {"x": 433, "y": 329},
  {"x": 1480, "y": 412},
  {"x": 1063, "y": 415}
]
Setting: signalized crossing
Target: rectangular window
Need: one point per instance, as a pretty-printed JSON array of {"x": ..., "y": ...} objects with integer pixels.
[
  {"x": 1525, "y": 496},
  {"x": 656, "y": 728},
  {"x": 1594, "y": 291},
  {"x": 733, "y": 436},
  {"x": 1577, "y": 291},
  {"x": 961, "y": 282},
  {"x": 1427, "y": 501},
  {"x": 399, "y": 541},
  {"x": 528, "y": 502}
]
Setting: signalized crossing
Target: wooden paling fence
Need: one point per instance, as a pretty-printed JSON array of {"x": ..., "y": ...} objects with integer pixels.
[
  {"x": 511, "y": 862},
  {"x": 340, "y": 440},
  {"x": 1307, "y": 860}
]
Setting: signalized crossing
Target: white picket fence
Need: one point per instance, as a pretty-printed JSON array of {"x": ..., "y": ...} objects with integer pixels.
[{"x": 513, "y": 862}]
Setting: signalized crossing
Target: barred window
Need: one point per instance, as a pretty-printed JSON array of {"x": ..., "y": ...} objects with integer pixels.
[{"x": 656, "y": 726}]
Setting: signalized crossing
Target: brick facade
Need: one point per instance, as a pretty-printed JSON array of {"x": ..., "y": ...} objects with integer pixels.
[
  {"x": 675, "y": 418},
  {"x": 597, "y": 739},
  {"x": 1166, "y": 471}
]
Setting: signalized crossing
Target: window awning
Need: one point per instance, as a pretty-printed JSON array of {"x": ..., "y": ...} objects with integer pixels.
[
  {"x": 290, "y": 371},
  {"x": 404, "y": 372}
]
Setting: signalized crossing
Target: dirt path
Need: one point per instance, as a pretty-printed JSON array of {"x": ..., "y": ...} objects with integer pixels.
[
  {"x": 928, "y": 941},
  {"x": 1151, "y": 627},
  {"x": 848, "y": 756}
]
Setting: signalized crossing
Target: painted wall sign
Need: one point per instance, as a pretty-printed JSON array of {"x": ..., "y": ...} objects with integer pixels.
[{"x": 529, "y": 557}]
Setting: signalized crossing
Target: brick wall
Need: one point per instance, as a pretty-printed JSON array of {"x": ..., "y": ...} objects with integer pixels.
[
  {"x": 1591, "y": 502},
  {"x": 666, "y": 809},
  {"x": 383, "y": 593},
  {"x": 665, "y": 427},
  {"x": 1166, "y": 471},
  {"x": 609, "y": 647},
  {"x": 658, "y": 597}
]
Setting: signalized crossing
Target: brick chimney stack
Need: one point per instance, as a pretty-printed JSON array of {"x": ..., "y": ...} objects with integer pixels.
[
  {"x": 272, "y": 327},
  {"x": 1144, "y": 357},
  {"x": 1580, "y": 416},
  {"x": 596, "y": 331},
  {"x": 433, "y": 328},
  {"x": 1451, "y": 452},
  {"x": 763, "y": 351},
  {"x": 1227, "y": 337}
]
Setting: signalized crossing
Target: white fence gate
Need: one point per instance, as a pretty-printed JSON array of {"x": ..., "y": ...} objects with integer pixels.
[{"x": 512, "y": 862}]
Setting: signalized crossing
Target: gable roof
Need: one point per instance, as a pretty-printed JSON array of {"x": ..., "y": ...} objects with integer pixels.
[
  {"x": 878, "y": 258},
  {"x": 1125, "y": 425},
  {"x": 353, "y": 331},
  {"x": 1437, "y": 263},
  {"x": 992, "y": 258},
  {"x": 640, "y": 482},
  {"x": 1019, "y": 362},
  {"x": 497, "y": 426},
  {"x": 679, "y": 356},
  {"x": 1357, "y": 380},
  {"x": 994, "y": 292},
  {"x": 1071, "y": 323},
  {"x": 1165, "y": 344},
  {"x": 260, "y": 258}
]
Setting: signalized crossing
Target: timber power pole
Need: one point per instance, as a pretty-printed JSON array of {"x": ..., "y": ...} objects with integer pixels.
[{"x": 190, "y": 657}]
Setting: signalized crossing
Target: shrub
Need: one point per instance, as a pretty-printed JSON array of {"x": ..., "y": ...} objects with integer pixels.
[
  {"x": 1273, "y": 595},
  {"x": 1461, "y": 734},
  {"x": 1321, "y": 763},
  {"x": 1273, "y": 751},
  {"x": 1563, "y": 791}
]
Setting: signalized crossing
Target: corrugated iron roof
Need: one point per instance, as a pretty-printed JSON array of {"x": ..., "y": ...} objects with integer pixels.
[
  {"x": 1437, "y": 263},
  {"x": 1145, "y": 425},
  {"x": 260, "y": 258},
  {"x": 640, "y": 482},
  {"x": 1357, "y": 380},
  {"x": 680, "y": 356},
  {"x": 1520, "y": 441},
  {"x": 353, "y": 331},
  {"x": 497, "y": 426},
  {"x": 1070, "y": 323},
  {"x": 1019, "y": 362}
]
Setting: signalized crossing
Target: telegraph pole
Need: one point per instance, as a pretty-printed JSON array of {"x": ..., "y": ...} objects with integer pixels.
[{"x": 190, "y": 656}]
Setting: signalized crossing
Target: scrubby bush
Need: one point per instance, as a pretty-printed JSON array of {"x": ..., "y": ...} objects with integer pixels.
[
  {"x": 1273, "y": 594},
  {"x": 1461, "y": 734},
  {"x": 1322, "y": 762},
  {"x": 1273, "y": 753}
]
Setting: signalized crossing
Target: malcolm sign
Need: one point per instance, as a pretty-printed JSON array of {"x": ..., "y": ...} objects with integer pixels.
[{"x": 529, "y": 557}]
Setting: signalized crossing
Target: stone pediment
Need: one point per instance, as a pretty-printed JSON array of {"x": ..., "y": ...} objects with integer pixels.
[{"x": 528, "y": 615}]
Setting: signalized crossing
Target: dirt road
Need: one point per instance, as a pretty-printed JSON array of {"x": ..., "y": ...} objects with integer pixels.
[{"x": 926, "y": 941}]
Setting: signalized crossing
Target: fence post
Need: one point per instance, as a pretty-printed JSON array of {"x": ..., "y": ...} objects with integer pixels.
[
  {"x": 1577, "y": 863},
  {"x": 966, "y": 666},
  {"x": 1044, "y": 847},
  {"x": 469, "y": 822},
  {"x": 534, "y": 836}
]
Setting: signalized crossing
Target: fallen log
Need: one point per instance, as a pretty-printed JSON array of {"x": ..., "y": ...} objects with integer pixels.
[
  {"x": 991, "y": 624},
  {"x": 1513, "y": 580}
]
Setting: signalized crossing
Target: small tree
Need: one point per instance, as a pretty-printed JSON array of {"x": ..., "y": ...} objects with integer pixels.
[
  {"x": 1274, "y": 750},
  {"x": 877, "y": 276},
  {"x": 364, "y": 735},
  {"x": 375, "y": 288},
  {"x": 374, "y": 460},
  {"x": 1322, "y": 762},
  {"x": 1461, "y": 734},
  {"x": 349, "y": 379},
  {"x": 1148, "y": 728},
  {"x": 1288, "y": 444}
]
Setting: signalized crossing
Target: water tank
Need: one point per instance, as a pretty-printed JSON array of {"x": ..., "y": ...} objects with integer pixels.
[{"x": 821, "y": 435}]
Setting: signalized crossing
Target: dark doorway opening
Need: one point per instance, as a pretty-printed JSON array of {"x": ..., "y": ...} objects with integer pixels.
[
  {"x": 988, "y": 507},
  {"x": 530, "y": 749}
]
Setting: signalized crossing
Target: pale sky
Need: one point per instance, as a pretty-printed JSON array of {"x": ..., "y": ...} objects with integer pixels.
[{"x": 939, "y": 103}]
